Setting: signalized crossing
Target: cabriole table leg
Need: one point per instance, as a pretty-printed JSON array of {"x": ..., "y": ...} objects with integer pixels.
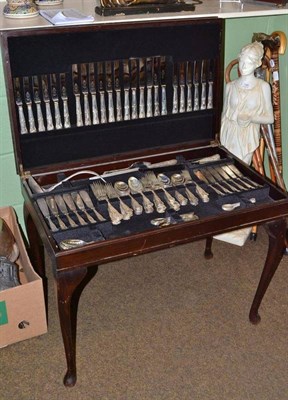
[
  {"x": 70, "y": 284},
  {"x": 277, "y": 233}
]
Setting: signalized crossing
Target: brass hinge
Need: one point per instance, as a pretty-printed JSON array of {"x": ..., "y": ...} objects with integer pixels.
[
  {"x": 23, "y": 174},
  {"x": 214, "y": 143}
]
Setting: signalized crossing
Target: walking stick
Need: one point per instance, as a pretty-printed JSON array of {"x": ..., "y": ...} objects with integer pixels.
[{"x": 275, "y": 44}]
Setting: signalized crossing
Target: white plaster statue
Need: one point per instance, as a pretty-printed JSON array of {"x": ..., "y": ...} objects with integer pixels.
[{"x": 247, "y": 104}]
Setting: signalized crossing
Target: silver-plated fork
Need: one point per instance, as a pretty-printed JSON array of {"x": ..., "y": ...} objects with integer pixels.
[
  {"x": 100, "y": 194},
  {"x": 125, "y": 210}
]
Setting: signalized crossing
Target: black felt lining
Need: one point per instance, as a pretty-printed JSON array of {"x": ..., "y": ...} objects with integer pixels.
[{"x": 90, "y": 142}]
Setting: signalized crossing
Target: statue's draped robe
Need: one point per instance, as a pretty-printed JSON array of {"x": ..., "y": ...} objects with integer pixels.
[{"x": 242, "y": 141}]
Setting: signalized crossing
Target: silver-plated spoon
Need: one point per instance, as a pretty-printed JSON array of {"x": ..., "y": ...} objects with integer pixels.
[
  {"x": 230, "y": 207},
  {"x": 183, "y": 201},
  {"x": 123, "y": 190},
  {"x": 72, "y": 243},
  {"x": 136, "y": 186}
]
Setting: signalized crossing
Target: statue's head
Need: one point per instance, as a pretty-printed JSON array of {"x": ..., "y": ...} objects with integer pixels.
[{"x": 254, "y": 52}]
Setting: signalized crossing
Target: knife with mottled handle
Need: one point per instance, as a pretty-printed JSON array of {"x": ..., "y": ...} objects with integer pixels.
[
  {"x": 19, "y": 103},
  {"x": 196, "y": 85},
  {"x": 126, "y": 85},
  {"x": 75, "y": 75},
  {"x": 134, "y": 87},
  {"x": 64, "y": 98},
  {"x": 37, "y": 101},
  {"x": 108, "y": 70},
  {"x": 84, "y": 89},
  {"x": 28, "y": 102},
  {"x": 189, "y": 85},
  {"x": 45, "y": 211},
  {"x": 92, "y": 89},
  {"x": 100, "y": 72},
  {"x": 117, "y": 88},
  {"x": 46, "y": 99},
  {"x": 203, "y": 85},
  {"x": 149, "y": 85},
  {"x": 55, "y": 99},
  {"x": 142, "y": 83},
  {"x": 163, "y": 85},
  {"x": 175, "y": 89},
  {"x": 210, "y": 84},
  {"x": 156, "y": 86},
  {"x": 182, "y": 86}
]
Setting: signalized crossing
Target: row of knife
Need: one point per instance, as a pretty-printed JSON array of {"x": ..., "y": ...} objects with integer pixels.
[{"x": 110, "y": 91}]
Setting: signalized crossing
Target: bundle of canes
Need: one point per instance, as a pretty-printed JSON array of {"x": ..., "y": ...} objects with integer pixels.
[{"x": 274, "y": 45}]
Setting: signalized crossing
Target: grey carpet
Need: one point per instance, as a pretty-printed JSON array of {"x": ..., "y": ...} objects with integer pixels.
[{"x": 168, "y": 325}]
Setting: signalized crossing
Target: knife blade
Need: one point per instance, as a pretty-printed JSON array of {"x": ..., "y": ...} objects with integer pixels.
[
  {"x": 84, "y": 89},
  {"x": 134, "y": 86},
  {"x": 210, "y": 84},
  {"x": 196, "y": 85},
  {"x": 37, "y": 101},
  {"x": 64, "y": 98},
  {"x": 62, "y": 207},
  {"x": 75, "y": 76},
  {"x": 88, "y": 202},
  {"x": 163, "y": 85},
  {"x": 214, "y": 181},
  {"x": 189, "y": 85},
  {"x": 117, "y": 88},
  {"x": 55, "y": 99},
  {"x": 203, "y": 84},
  {"x": 156, "y": 85},
  {"x": 228, "y": 178},
  {"x": 203, "y": 178},
  {"x": 126, "y": 84},
  {"x": 100, "y": 74},
  {"x": 108, "y": 69},
  {"x": 182, "y": 86},
  {"x": 92, "y": 89},
  {"x": 54, "y": 210},
  {"x": 45, "y": 212},
  {"x": 28, "y": 102},
  {"x": 71, "y": 205},
  {"x": 149, "y": 85},
  {"x": 46, "y": 99},
  {"x": 233, "y": 171},
  {"x": 142, "y": 83},
  {"x": 19, "y": 103},
  {"x": 175, "y": 89},
  {"x": 220, "y": 178}
]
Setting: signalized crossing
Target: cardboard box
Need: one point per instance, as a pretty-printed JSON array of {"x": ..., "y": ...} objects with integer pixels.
[{"x": 22, "y": 308}]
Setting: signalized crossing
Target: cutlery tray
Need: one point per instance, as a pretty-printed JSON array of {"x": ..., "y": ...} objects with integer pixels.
[{"x": 238, "y": 190}]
